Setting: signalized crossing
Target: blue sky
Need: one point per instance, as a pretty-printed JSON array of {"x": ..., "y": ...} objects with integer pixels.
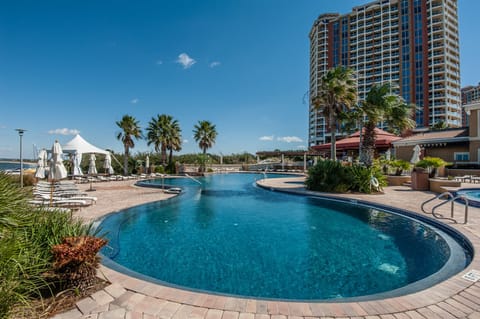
[{"x": 79, "y": 66}]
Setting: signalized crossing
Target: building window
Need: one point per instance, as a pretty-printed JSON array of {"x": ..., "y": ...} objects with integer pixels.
[{"x": 461, "y": 156}]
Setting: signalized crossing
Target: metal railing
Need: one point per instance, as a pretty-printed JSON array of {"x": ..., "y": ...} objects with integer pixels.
[{"x": 450, "y": 198}]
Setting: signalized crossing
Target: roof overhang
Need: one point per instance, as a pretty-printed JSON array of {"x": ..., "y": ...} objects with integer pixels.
[{"x": 431, "y": 141}]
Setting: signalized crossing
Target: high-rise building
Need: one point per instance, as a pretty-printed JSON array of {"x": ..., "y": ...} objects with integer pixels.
[{"x": 413, "y": 44}]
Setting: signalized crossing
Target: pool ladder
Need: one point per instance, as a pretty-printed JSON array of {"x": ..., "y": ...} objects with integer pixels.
[{"x": 450, "y": 199}]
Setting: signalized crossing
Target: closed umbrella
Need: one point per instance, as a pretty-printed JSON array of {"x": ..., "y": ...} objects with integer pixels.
[
  {"x": 92, "y": 169},
  {"x": 107, "y": 165},
  {"x": 416, "y": 154},
  {"x": 147, "y": 164},
  {"x": 41, "y": 164},
  {"x": 77, "y": 159},
  {"x": 57, "y": 169}
]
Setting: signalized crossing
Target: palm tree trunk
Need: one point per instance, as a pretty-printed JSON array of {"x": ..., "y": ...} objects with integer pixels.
[
  {"x": 125, "y": 162},
  {"x": 164, "y": 155},
  {"x": 369, "y": 143},
  {"x": 333, "y": 143},
  {"x": 170, "y": 157},
  {"x": 204, "y": 161}
]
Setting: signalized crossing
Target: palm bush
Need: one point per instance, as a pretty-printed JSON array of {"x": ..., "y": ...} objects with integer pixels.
[
  {"x": 328, "y": 176},
  {"x": 27, "y": 236},
  {"x": 362, "y": 179},
  {"x": 332, "y": 176}
]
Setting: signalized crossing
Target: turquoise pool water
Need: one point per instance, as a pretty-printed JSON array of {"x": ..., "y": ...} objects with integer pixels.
[{"x": 228, "y": 236}]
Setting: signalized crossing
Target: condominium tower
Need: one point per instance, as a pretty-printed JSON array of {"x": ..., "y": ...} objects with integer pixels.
[{"x": 413, "y": 44}]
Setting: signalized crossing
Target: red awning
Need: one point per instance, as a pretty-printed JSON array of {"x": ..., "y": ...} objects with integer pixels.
[{"x": 383, "y": 140}]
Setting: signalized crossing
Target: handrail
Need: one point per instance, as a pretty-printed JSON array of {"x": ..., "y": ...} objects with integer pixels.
[
  {"x": 194, "y": 179},
  {"x": 452, "y": 201},
  {"x": 448, "y": 194}
]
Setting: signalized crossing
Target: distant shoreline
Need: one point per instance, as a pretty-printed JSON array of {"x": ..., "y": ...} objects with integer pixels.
[{"x": 16, "y": 161}]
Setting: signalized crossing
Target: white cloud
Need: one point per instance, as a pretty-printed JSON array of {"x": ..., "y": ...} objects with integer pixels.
[
  {"x": 159, "y": 62},
  {"x": 302, "y": 147},
  {"x": 134, "y": 101},
  {"x": 185, "y": 141},
  {"x": 289, "y": 139},
  {"x": 64, "y": 131},
  {"x": 266, "y": 138},
  {"x": 3, "y": 126},
  {"x": 214, "y": 64},
  {"x": 185, "y": 60}
]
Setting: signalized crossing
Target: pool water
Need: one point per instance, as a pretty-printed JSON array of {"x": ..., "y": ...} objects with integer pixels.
[{"x": 230, "y": 237}]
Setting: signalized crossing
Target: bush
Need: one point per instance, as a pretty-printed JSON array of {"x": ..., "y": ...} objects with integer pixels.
[
  {"x": 431, "y": 163},
  {"x": 331, "y": 176},
  {"x": 26, "y": 238},
  {"x": 328, "y": 176},
  {"x": 362, "y": 179},
  {"x": 76, "y": 261},
  {"x": 400, "y": 166}
]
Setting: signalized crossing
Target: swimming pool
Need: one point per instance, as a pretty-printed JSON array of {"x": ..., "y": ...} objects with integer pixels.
[
  {"x": 227, "y": 236},
  {"x": 472, "y": 194}
]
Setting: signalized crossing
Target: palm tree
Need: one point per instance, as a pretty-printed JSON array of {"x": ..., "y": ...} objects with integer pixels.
[
  {"x": 130, "y": 130},
  {"x": 157, "y": 134},
  {"x": 337, "y": 94},
  {"x": 174, "y": 140},
  {"x": 165, "y": 134},
  {"x": 205, "y": 134},
  {"x": 381, "y": 105}
]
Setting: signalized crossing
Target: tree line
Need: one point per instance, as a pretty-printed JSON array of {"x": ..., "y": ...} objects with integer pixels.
[{"x": 165, "y": 135}]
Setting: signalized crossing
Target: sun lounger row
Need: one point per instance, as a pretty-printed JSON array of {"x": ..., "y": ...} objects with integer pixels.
[
  {"x": 60, "y": 194},
  {"x": 468, "y": 179}
]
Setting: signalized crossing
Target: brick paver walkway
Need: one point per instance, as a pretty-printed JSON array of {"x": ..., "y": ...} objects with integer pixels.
[{"x": 130, "y": 298}]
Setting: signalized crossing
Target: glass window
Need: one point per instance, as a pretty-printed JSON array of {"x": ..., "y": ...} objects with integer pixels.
[{"x": 462, "y": 156}]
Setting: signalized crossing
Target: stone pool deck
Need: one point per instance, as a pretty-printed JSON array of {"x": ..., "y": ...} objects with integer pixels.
[{"x": 132, "y": 298}]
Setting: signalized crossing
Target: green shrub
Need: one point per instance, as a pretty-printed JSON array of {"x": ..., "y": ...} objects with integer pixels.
[
  {"x": 159, "y": 169},
  {"x": 362, "y": 179},
  {"x": 27, "y": 235},
  {"x": 329, "y": 176},
  {"x": 400, "y": 166},
  {"x": 431, "y": 163}
]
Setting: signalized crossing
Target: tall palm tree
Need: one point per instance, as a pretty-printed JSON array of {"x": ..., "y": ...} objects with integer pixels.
[
  {"x": 174, "y": 140},
  {"x": 130, "y": 130},
  {"x": 337, "y": 93},
  {"x": 157, "y": 134},
  {"x": 381, "y": 105},
  {"x": 205, "y": 134}
]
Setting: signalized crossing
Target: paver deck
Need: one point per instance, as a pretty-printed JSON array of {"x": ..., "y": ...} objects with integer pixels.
[{"x": 129, "y": 297}]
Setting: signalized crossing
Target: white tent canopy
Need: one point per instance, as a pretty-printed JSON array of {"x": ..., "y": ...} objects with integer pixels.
[{"x": 79, "y": 145}]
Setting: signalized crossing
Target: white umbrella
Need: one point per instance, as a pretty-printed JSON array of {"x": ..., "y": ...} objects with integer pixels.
[
  {"x": 92, "y": 169},
  {"x": 41, "y": 164},
  {"x": 57, "y": 169},
  {"x": 416, "y": 154},
  {"x": 77, "y": 159},
  {"x": 107, "y": 165},
  {"x": 147, "y": 163}
]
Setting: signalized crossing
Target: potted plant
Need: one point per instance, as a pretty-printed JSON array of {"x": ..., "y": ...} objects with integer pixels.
[
  {"x": 396, "y": 170},
  {"x": 431, "y": 164}
]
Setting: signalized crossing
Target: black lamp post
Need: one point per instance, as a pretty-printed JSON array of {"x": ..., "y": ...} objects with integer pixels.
[{"x": 20, "y": 133}]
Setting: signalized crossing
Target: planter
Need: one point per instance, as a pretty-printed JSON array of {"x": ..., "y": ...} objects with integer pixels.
[
  {"x": 420, "y": 180},
  {"x": 394, "y": 180}
]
